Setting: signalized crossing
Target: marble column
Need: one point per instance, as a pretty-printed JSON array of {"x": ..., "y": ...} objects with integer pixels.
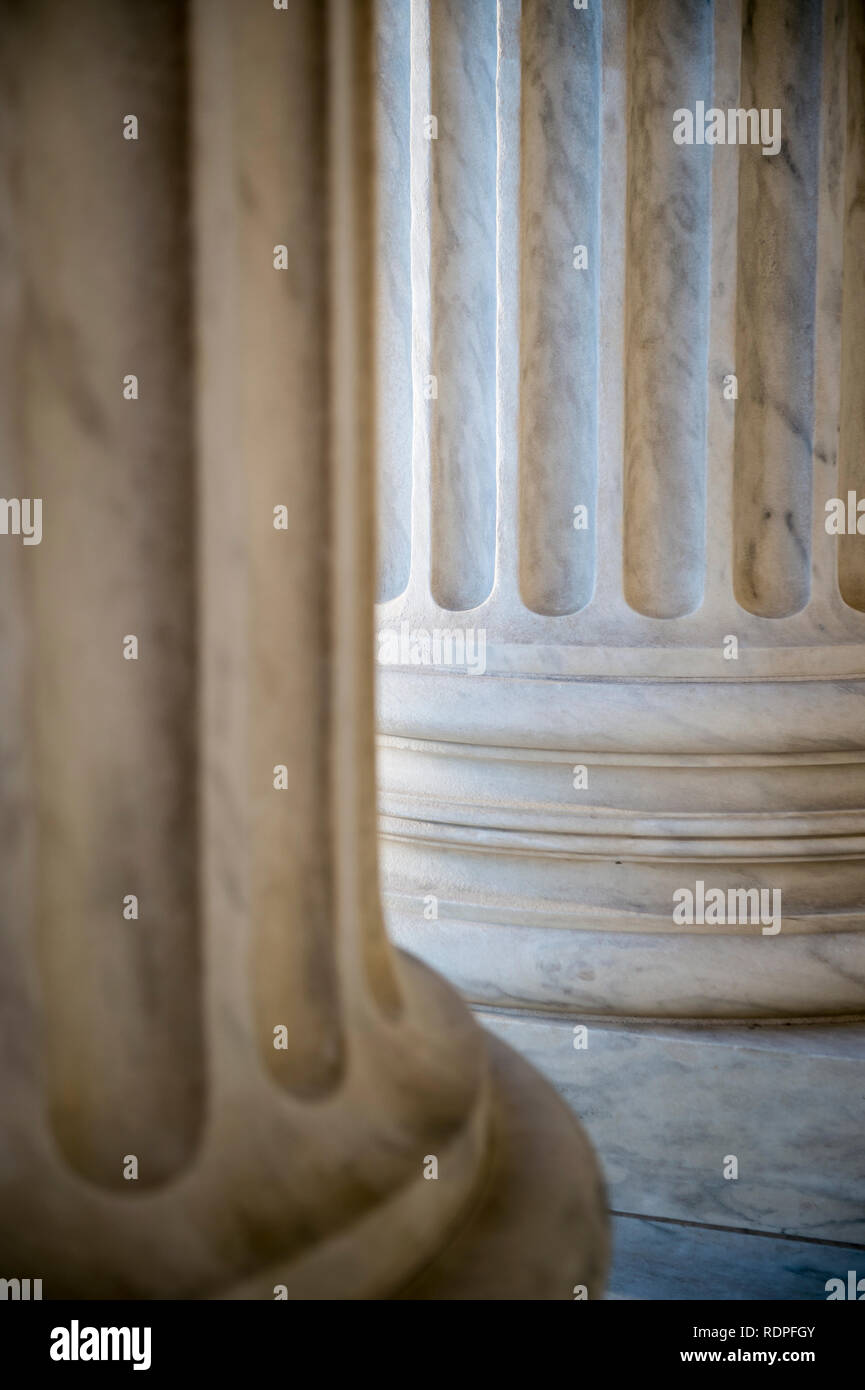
[
  {"x": 620, "y": 651},
  {"x": 219, "y": 1077}
]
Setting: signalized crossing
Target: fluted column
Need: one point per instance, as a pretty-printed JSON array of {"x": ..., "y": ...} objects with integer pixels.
[
  {"x": 219, "y": 1077},
  {"x": 676, "y": 405},
  {"x": 659, "y": 682}
]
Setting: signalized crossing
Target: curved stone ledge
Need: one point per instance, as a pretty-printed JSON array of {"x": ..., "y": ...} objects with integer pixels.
[
  {"x": 548, "y": 896},
  {"x": 647, "y": 974},
  {"x": 658, "y": 718}
]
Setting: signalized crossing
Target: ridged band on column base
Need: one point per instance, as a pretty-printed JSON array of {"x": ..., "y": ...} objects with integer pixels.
[{"x": 538, "y": 837}]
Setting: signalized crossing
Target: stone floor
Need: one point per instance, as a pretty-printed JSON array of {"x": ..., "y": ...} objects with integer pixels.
[
  {"x": 675, "y": 1260},
  {"x": 668, "y": 1105}
]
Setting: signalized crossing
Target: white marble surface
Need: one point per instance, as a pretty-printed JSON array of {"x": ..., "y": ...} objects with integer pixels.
[
  {"x": 666, "y": 1103},
  {"x": 548, "y": 904},
  {"x": 554, "y": 896},
  {"x": 678, "y": 550},
  {"x": 553, "y": 901}
]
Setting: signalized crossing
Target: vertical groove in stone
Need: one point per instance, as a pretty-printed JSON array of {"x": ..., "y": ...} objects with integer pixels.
[
  {"x": 781, "y": 43},
  {"x": 611, "y": 348},
  {"x": 393, "y": 307},
  {"x": 421, "y": 161},
  {"x": 105, "y": 265},
  {"x": 463, "y": 312},
  {"x": 718, "y": 601},
  {"x": 353, "y": 156},
  {"x": 281, "y": 145},
  {"x": 829, "y": 308},
  {"x": 223, "y": 569},
  {"x": 19, "y": 1014},
  {"x": 851, "y": 444},
  {"x": 559, "y": 328},
  {"x": 508, "y": 96},
  {"x": 668, "y": 252}
]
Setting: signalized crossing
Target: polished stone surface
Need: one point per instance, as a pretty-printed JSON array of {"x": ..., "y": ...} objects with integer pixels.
[
  {"x": 667, "y": 1104},
  {"x": 676, "y": 694},
  {"x": 665, "y": 1260}
]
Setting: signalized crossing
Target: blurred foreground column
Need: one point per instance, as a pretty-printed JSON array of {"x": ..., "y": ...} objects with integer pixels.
[{"x": 218, "y": 1077}]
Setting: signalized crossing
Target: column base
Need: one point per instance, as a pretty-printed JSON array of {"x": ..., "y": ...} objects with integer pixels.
[
  {"x": 535, "y": 1228},
  {"x": 539, "y": 1229}
]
